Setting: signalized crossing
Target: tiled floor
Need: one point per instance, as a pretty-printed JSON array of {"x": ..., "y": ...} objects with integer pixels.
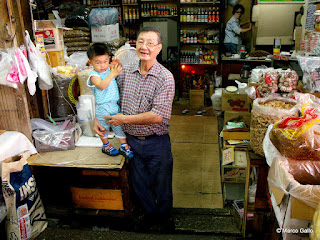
[{"x": 196, "y": 167}]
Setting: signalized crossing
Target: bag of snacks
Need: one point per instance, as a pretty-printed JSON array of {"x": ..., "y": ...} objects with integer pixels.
[
  {"x": 298, "y": 137},
  {"x": 288, "y": 81},
  {"x": 266, "y": 111},
  {"x": 268, "y": 83}
]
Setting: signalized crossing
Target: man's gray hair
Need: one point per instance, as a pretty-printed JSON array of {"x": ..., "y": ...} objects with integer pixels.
[{"x": 151, "y": 29}]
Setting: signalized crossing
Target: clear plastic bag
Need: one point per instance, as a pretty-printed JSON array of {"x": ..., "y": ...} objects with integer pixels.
[
  {"x": 315, "y": 234},
  {"x": 311, "y": 72},
  {"x": 50, "y": 137},
  {"x": 78, "y": 59},
  {"x": 268, "y": 83},
  {"x": 216, "y": 99},
  {"x": 39, "y": 65},
  {"x": 85, "y": 114},
  {"x": 266, "y": 111},
  {"x": 103, "y": 16},
  {"x": 298, "y": 137},
  {"x": 5, "y": 61}
]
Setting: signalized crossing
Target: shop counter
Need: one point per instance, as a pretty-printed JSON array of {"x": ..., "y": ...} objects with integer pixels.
[
  {"x": 234, "y": 65},
  {"x": 83, "y": 179}
]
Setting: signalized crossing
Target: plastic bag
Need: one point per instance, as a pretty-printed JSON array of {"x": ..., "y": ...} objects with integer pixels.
[
  {"x": 78, "y": 18},
  {"x": 103, "y": 16},
  {"x": 39, "y": 65},
  {"x": 304, "y": 172},
  {"x": 298, "y": 137},
  {"x": 83, "y": 76},
  {"x": 315, "y": 234},
  {"x": 78, "y": 59},
  {"x": 266, "y": 111},
  {"x": 288, "y": 81},
  {"x": 311, "y": 72},
  {"x": 50, "y": 137},
  {"x": 85, "y": 110},
  {"x": 268, "y": 83},
  {"x": 4, "y": 69},
  {"x": 216, "y": 99},
  {"x": 279, "y": 177},
  {"x": 38, "y": 123}
]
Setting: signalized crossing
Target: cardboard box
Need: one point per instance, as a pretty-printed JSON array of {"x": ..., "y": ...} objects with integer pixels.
[
  {"x": 279, "y": 178},
  {"x": 196, "y": 97},
  {"x": 237, "y": 156},
  {"x": 236, "y": 135},
  {"x": 234, "y": 102},
  {"x": 105, "y": 33},
  {"x": 228, "y": 156},
  {"x": 53, "y": 36},
  {"x": 55, "y": 59},
  {"x": 109, "y": 199},
  {"x": 233, "y": 174},
  {"x": 240, "y": 116},
  {"x": 286, "y": 220}
]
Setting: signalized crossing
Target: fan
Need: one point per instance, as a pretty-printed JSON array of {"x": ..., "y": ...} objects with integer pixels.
[{"x": 127, "y": 54}]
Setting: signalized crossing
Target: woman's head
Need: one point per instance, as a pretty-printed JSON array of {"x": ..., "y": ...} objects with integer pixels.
[
  {"x": 238, "y": 10},
  {"x": 99, "y": 56}
]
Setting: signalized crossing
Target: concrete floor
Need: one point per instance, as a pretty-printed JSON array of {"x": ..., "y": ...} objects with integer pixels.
[{"x": 198, "y": 206}]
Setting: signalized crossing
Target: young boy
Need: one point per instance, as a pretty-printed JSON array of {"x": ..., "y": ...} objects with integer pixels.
[{"x": 103, "y": 84}]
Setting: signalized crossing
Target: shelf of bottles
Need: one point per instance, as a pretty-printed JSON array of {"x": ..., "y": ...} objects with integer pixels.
[
  {"x": 198, "y": 2},
  {"x": 104, "y": 3},
  {"x": 131, "y": 38},
  {"x": 200, "y": 15},
  {"x": 193, "y": 37},
  {"x": 131, "y": 15},
  {"x": 199, "y": 56},
  {"x": 158, "y": 10},
  {"x": 130, "y": 2}
]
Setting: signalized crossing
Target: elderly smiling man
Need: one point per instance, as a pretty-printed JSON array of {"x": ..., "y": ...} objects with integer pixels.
[{"x": 146, "y": 96}]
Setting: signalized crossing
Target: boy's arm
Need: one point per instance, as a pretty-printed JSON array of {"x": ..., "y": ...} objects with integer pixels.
[{"x": 102, "y": 83}]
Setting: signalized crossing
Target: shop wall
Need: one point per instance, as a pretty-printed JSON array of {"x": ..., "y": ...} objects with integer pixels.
[{"x": 14, "y": 104}]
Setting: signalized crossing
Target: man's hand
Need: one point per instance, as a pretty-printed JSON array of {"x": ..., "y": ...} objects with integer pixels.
[
  {"x": 97, "y": 128},
  {"x": 116, "y": 120}
]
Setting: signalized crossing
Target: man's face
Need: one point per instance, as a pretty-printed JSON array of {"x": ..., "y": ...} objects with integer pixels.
[{"x": 148, "y": 46}]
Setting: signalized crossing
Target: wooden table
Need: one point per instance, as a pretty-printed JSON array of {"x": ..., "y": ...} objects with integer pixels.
[
  {"x": 59, "y": 174},
  {"x": 261, "y": 205}
]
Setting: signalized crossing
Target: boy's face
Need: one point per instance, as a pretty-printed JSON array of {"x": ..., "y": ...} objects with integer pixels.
[{"x": 100, "y": 63}]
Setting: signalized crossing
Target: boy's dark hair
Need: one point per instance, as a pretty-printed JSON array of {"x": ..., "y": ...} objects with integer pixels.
[
  {"x": 236, "y": 7},
  {"x": 97, "y": 49},
  {"x": 151, "y": 29}
]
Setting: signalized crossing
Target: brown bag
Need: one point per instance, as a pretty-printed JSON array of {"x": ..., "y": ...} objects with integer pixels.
[{"x": 26, "y": 217}]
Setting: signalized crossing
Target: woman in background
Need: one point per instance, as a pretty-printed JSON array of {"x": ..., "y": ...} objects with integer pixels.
[{"x": 232, "y": 38}]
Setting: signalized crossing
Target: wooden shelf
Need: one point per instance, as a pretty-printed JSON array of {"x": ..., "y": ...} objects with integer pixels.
[
  {"x": 202, "y": 3},
  {"x": 210, "y": 44},
  {"x": 199, "y": 23},
  {"x": 199, "y": 64}
]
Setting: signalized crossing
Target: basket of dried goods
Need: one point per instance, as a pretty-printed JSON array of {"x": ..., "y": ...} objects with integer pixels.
[{"x": 267, "y": 111}]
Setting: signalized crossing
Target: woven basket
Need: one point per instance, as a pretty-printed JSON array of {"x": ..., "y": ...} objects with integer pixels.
[{"x": 259, "y": 53}]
